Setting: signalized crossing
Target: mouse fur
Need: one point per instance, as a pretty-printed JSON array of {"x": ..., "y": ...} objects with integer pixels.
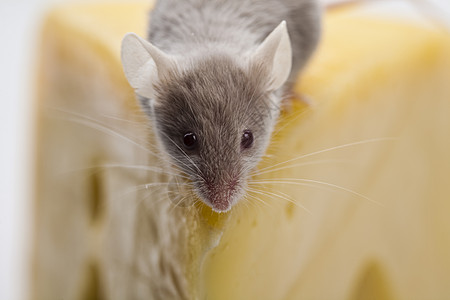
[
  {"x": 196, "y": 26},
  {"x": 218, "y": 69}
]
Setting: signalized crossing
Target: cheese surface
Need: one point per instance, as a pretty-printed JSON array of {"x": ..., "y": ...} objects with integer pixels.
[{"x": 352, "y": 201}]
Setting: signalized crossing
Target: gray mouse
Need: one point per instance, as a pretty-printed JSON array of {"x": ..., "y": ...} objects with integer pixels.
[{"x": 211, "y": 77}]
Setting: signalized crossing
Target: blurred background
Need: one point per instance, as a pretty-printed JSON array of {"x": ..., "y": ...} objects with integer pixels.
[{"x": 20, "y": 23}]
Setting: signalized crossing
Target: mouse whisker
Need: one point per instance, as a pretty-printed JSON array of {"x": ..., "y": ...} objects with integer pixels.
[
  {"x": 160, "y": 193},
  {"x": 176, "y": 159},
  {"x": 247, "y": 202},
  {"x": 96, "y": 121},
  {"x": 255, "y": 204},
  {"x": 94, "y": 124},
  {"x": 258, "y": 200},
  {"x": 156, "y": 194},
  {"x": 251, "y": 203},
  {"x": 176, "y": 204},
  {"x": 352, "y": 144},
  {"x": 280, "y": 196},
  {"x": 150, "y": 185},
  {"x": 314, "y": 183},
  {"x": 137, "y": 123},
  {"x": 187, "y": 156},
  {"x": 189, "y": 167},
  {"x": 125, "y": 166},
  {"x": 307, "y": 163}
]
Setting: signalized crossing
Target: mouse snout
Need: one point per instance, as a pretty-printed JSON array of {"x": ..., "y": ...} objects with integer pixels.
[{"x": 222, "y": 195}]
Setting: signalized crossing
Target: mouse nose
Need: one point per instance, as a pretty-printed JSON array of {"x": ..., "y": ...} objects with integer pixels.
[
  {"x": 221, "y": 205},
  {"x": 221, "y": 196}
]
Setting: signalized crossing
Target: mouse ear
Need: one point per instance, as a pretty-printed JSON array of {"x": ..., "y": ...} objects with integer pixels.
[
  {"x": 275, "y": 53},
  {"x": 143, "y": 64}
]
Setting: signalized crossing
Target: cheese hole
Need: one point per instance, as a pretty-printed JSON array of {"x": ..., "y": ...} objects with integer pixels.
[
  {"x": 92, "y": 289},
  {"x": 372, "y": 284},
  {"x": 290, "y": 209},
  {"x": 96, "y": 200}
]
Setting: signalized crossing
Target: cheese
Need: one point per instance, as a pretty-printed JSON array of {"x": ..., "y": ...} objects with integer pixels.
[{"x": 352, "y": 202}]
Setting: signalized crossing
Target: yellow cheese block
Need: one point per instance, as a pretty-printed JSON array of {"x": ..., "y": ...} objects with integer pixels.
[{"x": 351, "y": 202}]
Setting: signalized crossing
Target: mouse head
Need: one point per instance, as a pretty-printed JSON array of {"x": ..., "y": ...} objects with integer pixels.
[{"x": 214, "y": 114}]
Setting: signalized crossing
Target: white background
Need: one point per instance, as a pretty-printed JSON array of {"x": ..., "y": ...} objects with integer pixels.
[
  {"x": 20, "y": 22},
  {"x": 18, "y": 33}
]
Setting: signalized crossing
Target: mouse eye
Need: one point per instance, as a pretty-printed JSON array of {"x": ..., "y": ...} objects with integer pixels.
[
  {"x": 190, "y": 140},
  {"x": 247, "y": 139}
]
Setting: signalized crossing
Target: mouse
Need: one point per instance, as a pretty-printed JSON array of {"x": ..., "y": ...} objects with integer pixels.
[{"x": 211, "y": 76}]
